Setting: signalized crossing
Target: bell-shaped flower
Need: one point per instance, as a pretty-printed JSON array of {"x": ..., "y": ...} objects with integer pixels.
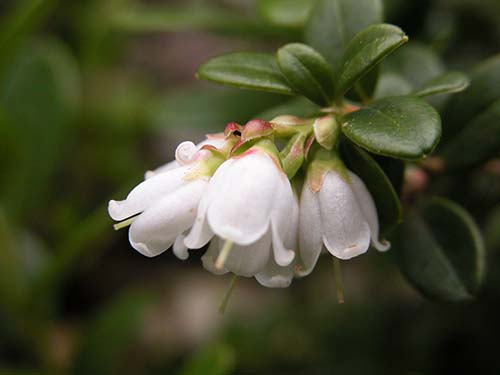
[
  {"x": 186, "y": 151},
  {"x": 247, "y": 207},
  {"x": 163, "y": 207},
  {"x": 337, "y": 211}
]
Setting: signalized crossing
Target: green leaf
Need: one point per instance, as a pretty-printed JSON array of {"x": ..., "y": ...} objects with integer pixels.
[
  {"x": 383, "y": 193},
  {"x": 247, "y": 70},
  {"x": 39, "y": 98},
  {"x": 300, "y": 107},
  {"x": 290, "y": 14},
  {"x": 476, "y": 143},
  {"x": 208, "y": 110},
  {"x": 333, "y": 23},
  {"x": 103, "y": 349},
  {"x": 403, "y": 127},
  {"x": 307, "y": 72},
  {"x": 213, "y": 359},
  {"x": 484, "y": 90},
  {"x": 447, "y": 83},
  {"x": 364, "y": 52},
  {"x": 441, "y": 251}
]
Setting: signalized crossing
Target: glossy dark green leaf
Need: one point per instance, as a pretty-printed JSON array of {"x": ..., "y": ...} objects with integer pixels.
[
  {"x": 403, "y": 127},
  {"x": 441, "y": 251},
  {"x": 477, "y": 142},
  {"x": 247, "y": 70},
  {"x": 115, "y": 329},
  {"x": 39, "y": 98},
  {"x": 385, "y": 197},
  {"x": 447, "y": 83},
  {"x": 364, "y": 52},
  {"x": 333, "y": 23},
  {"x": 291, "y": 14},
  {"x": 484, "y": 90},
  {"x": 299, "y": 107},
  {"x": 307, "y": 72}
]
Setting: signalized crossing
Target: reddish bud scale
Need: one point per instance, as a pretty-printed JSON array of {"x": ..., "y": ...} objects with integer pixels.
[{"x": 256, "y": 129}]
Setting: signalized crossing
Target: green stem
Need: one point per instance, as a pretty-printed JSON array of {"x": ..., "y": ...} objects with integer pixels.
[
  {"x": 365, "y": 99},
  {"x": 227, "y": 295}
]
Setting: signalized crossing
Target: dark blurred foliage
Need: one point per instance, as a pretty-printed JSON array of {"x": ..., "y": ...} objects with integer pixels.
[{"x": 95, "y": 92}]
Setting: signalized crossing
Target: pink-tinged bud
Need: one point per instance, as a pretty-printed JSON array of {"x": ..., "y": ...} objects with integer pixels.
[
  {"x": 350, "y": 108},
  {"x": 289, "y": 120},
  {"x": 256, "y": 129},
  {"x": 326, "y": 131},
  {"x": 308, "y": 145},
  {"x": 292, "y": 156},
  {"x": 232, "y": 128}
]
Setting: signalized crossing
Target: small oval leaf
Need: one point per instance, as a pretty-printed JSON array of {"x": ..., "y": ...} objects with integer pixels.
[
  {"x": 441, "y": 251},
  {"x": 247, "y": 70},
  {"x": 364, "y": 52},
  {"x": 307, "y": 72},
  {"x": 402, "y": 127},
  {"x": 448, "y": 83},
  {"x": 383, "y": 193}
]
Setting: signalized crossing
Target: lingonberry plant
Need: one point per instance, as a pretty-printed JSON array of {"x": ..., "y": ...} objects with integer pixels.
[{"x": 323, "y": 173}]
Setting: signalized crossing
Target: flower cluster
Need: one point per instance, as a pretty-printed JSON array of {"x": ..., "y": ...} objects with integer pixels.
[{"x": 240, "y": 193}]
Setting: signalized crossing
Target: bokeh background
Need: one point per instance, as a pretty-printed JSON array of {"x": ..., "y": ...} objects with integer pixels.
[{"x": 95, "y": 92}]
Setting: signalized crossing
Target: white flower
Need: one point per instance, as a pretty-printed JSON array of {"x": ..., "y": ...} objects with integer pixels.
[
  {"x": 166, "y": 205},
  {"x": 249, "y": 203},
  {"x": 341, "y": 215},
  {"x": 185, "y": 152}
]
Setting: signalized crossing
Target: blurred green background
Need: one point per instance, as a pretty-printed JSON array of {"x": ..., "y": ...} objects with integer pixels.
[{"x": 95, "y": 92}]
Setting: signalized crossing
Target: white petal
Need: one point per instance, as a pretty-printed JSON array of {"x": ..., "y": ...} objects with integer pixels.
[
  {"x": 249, "y": 260},
  {"x": 369, "y": 210},
  {"x": 310, "y": 232},
  {"x": 209, "y": 258},
  {"x": 164, "y": 168},
  {"x": 241, "y": 209},
  {"x": 282, "y": 255},
  {"x": 346, "y": 233},
  {"x": 284, "y": 223},
  {"x": 180, "y": 250},
  {"x": 184, "y": 152},
  {"x": 274, "y": 276},
  {"x": 156, "y": 229},
  {"x": 147, "y": 193},
  {"x": 201, "y": 233},
  {"x": 217, "y": 141}
]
